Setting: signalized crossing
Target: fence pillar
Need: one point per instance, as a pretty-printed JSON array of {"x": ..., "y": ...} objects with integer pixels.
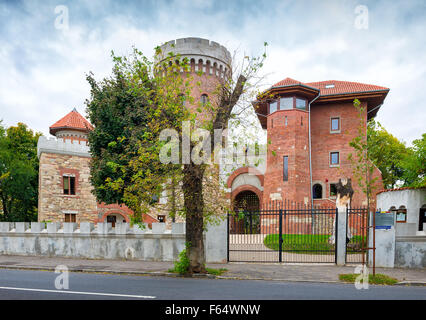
[
  {"x": 280, "y": 238},
  {"x": 216, "y": 242},
  {"x": 341, "y": 236}
]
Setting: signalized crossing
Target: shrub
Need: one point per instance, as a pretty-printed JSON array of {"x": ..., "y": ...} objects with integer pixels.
[{"x": 182, "y": 264}]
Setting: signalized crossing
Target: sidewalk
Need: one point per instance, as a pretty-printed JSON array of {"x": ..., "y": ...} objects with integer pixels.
[{"x": 246, "y": 271}]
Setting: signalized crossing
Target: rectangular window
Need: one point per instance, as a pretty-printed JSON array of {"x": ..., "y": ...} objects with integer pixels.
[
  {"x": 333, "y": 190},
  {"x": 161, "y": 218},
  {"x": 286, "y": 103},
  {"x": 301, "y": 104},
  {"x": 285, "y": 168},
  {"x": 273, "y": 107},
  {"x": 334, "y": 158},
  {"x": 69, "y": 185},
  {"x": 70, "y": 217},
  {"x": 335, "y": 125}
]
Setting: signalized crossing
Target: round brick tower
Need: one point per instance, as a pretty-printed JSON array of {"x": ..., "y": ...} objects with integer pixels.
[{"x": 209, "y": 64}]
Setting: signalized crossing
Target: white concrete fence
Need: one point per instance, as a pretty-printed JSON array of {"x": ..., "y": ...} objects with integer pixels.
[{"x": 104, "y": 242}]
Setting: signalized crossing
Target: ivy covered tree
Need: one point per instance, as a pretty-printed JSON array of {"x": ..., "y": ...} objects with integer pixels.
[{"x": 18, "y": 173}]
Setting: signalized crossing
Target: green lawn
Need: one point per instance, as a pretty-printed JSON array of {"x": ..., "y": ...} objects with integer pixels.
[
  {"x": 377, "y": 279},
  {"x": 300, "y": 243}
]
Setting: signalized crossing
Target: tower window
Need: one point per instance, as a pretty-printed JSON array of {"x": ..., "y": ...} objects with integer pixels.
[
  {"x": 273, "y": 107},
  {"x": 285, "y": 168},
  {"x": 334, "y": 158},
  {"x": 69, "y": 185},
  {"x": 301, "y": 104},
  {"x": 286, "y": 103},
  {"x": 335, "y": 124},
  {"x": 317, "y": 191},
  {"x": 204, "y": 99}
]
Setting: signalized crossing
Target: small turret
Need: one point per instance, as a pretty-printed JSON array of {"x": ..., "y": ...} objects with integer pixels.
[{"x": 72, "y": 127}]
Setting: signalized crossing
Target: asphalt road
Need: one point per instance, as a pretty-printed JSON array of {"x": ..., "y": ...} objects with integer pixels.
[{"x": 40, "y": 285}]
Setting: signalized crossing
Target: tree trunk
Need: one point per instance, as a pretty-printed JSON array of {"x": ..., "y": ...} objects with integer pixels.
[{"x": 194, "y": 205}]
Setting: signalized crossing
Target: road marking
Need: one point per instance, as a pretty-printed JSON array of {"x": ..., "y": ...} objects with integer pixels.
[{"x": 80, "y": 292}]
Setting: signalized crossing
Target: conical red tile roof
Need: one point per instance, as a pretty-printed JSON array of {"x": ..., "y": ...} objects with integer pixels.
[{"x": 72, "y": 121}]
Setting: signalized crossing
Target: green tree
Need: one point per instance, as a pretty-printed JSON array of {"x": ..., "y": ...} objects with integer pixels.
[
  {"x": 414, "y": 164},
  {"x": 362, "y": 166},
  {"x": 18, "y": 173},
  {"x": 142, "y": 99},
  {"x": 386, "y": 152}
]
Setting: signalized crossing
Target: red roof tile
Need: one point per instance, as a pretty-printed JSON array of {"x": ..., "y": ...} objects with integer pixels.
[
  {"x": 73, "y": 121},
  {"x": 287, "y": 82},
  {"x": 332, "y": 87},
  {"x": 400, "y": 189}
]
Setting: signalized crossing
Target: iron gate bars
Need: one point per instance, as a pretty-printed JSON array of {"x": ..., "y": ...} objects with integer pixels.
[
  {"x": 356, "y": 235},
  {"x": 283, "y": 232}
]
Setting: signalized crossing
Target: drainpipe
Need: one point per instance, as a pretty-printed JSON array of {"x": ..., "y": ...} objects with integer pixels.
[{"x": 310, "y": 152}]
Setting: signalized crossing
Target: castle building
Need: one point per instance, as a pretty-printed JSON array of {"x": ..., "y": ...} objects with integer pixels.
[
  {"x": 64, "y": 177},
  {"x": 309, "y": 127}
]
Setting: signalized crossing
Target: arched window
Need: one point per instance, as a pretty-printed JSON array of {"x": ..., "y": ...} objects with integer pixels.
[
  {"x": 317, "y": 191},
  {"x": 204, "y": 99},
  {"x": 401, "y": 214}
]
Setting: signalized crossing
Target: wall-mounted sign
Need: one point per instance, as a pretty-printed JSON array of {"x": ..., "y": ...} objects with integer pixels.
[
  {"x": 401, "y": 216},
  {"x": 384, "y": 219}
]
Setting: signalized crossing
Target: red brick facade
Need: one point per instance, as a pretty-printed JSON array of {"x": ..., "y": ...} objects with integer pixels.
[{"x": 288, "y": 135}]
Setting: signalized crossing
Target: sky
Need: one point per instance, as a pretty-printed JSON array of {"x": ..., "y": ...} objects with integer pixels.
[{"x": 48, "y": 47}]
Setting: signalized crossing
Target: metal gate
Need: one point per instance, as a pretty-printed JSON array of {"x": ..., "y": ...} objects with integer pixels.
[
  {"x": 283, "y": 232},
  {"x": 357, "y": 225}
]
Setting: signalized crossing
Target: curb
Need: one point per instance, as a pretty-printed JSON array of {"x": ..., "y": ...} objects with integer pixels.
[
  {"x": 135, "y": 273},
  {"x": 411, "y": 283},
  {"x": 163, "y": 274},
  {"x": 194, "y": 276}
]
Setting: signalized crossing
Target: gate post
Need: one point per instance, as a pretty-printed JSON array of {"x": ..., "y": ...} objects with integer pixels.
[
  {"x": 340, "y": 241},
  {"x": 280, "y": 241},
  {"x": 227, "y": 237}
]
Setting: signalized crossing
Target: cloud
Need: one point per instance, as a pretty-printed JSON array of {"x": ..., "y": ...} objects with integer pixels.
[{"x": 43, "y": 69}]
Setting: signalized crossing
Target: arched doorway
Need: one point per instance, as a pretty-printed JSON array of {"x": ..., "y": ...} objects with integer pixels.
[
  {"x": 246, "y": 219},
  {"x": 247, "y": 201},
  {"x": 113, "y": 218}
]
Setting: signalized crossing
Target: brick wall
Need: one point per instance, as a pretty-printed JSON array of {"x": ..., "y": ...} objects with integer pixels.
[{"x": 288, "y": 135}]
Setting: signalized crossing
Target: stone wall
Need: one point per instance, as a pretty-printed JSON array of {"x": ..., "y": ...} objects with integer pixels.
[
  {"x": 104, "y": 242},
  {"x": 410, "y": 252},
  {"x": 53, "y": 203}
]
